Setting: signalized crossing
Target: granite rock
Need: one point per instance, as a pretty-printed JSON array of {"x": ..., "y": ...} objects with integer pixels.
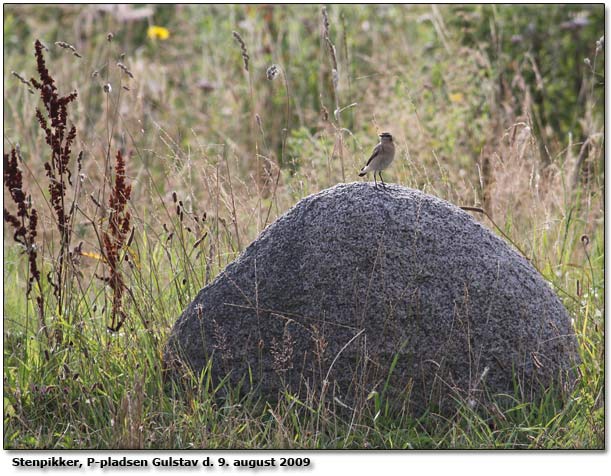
[{"x": 357, "y": 289}]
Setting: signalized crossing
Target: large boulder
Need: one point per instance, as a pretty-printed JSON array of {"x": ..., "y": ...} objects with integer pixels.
[{"x": 357, "y": 289}]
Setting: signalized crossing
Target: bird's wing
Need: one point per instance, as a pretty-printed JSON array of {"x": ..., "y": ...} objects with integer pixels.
[{"x": 376, "y": 151}]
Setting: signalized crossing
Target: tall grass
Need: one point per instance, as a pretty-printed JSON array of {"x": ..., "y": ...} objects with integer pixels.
[{"x": 176, "y": 153}]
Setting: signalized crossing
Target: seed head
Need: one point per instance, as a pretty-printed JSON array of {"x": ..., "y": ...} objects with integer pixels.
[
  {"x": 272, "y": 72},
  {"x": 325, "y": 22},
  {"x": 20, "y": 78},
  {"x": 243, "y": 49},
  {"x": 123, "y": 68},
  {"x": 68, "y": 46}
]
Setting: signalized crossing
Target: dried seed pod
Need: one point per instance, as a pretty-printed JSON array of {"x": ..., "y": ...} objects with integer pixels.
[
  {"x": 272, "y": 72},
  {"x": 124, "y": 68}
]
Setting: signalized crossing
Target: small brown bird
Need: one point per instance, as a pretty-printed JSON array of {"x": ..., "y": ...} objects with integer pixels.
[{"x": 381, "y": 157}]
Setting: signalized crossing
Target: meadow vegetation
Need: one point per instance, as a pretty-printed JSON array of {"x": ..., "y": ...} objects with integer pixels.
[{"x": 145, "y": 147}]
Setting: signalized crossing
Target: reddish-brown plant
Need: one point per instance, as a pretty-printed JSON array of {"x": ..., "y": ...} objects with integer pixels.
[
  {"x": 115, "y": 240},
  {"x": 60, "y": 140},
  {"x": 25, "y": 223}
]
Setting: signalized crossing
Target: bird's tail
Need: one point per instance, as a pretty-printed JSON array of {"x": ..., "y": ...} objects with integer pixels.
[{"x": 363, "y": 171}]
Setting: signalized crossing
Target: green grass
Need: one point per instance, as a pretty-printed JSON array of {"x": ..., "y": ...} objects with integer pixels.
[{"x": 472, "y": 127}]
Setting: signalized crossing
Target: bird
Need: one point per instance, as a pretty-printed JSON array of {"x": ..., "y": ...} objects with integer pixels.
[{"x": 381, "y": 157}]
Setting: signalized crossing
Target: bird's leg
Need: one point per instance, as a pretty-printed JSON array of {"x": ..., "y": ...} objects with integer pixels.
[
  {"x": 383, "y": 184},
  {"x": 374, "y": 179}
]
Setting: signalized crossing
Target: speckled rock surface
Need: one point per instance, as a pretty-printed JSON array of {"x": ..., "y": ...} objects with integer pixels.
[{"x": 353, "y": 281}]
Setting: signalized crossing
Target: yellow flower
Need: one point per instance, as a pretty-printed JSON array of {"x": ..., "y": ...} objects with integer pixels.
[
  {"x": 157, "y": 32},
  {"x": 456, "y": 97}
]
